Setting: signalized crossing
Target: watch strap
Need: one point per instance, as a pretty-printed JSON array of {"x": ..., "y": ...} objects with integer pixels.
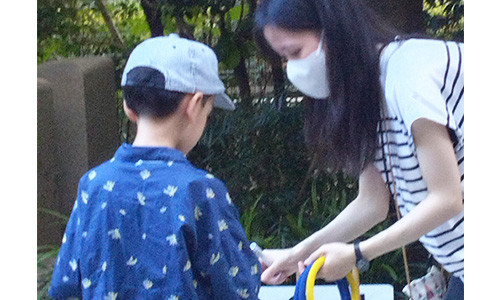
[{"x": 357, "y": 251}]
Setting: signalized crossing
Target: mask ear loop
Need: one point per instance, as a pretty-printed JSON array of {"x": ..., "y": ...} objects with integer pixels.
[{"x": 320, "y": 46}]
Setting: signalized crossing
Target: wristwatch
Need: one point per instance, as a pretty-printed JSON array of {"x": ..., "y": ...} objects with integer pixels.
[{"x": 361, "y": 263}]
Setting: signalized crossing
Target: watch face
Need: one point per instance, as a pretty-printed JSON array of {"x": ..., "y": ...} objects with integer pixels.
[{"x": 363, "y": 265}]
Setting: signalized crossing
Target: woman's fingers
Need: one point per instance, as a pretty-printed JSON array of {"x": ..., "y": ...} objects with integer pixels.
[
  {"x": 272, "y": 276},
  {"x": 301, "y": 267},
  {"x": 315, "y": 255},
  {"x": 266, "y": 259},
  {"x": 339, "y": 260}
]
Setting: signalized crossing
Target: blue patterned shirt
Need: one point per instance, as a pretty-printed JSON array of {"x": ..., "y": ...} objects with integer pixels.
[{"x": 149, "y": 225}]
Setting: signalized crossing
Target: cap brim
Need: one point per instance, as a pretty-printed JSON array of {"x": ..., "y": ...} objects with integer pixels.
[{"x": 224, "y": 102}]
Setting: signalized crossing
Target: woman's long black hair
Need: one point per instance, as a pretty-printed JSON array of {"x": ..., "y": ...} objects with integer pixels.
[{"x": 342, "y": 129}]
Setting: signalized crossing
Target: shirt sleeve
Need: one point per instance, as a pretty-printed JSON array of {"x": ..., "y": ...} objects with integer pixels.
[
  {"x": 427, "y": 80},
  {"x": 423, "y": 100},
  {"x": 66, "y": 277},
  {"x": 226, "y": 263}
]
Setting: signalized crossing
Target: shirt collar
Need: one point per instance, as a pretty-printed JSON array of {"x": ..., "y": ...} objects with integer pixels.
[{"x": 127, "y": 152}]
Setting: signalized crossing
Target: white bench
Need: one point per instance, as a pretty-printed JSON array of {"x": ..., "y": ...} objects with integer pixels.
[{"x": 327, "y": 292}]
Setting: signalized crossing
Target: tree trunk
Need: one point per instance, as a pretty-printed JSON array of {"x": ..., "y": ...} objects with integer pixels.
[
  {"x": 152, "y": 10},
  {"x": 278, "y": 83},
  {"x": 405, "y": 15},
  {"x": 117, "y": 38},
  {"x": 241, "y": 75}
]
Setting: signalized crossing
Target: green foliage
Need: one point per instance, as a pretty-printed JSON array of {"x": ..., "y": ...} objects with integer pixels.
[
  {"x": 46, "y": 257},
  {"x": 77, "y": 28},
  {"x": 263, "y": 160},
  {"x": 445, "y": 19}
]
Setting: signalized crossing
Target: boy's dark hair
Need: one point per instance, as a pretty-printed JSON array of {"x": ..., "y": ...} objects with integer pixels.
[
  {"x": 342, "y": 129},
  {"x": 145, "y": 93}
]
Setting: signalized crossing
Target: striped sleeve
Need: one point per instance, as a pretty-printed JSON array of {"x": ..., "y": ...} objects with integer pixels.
[{"x": 421, "y": 94}]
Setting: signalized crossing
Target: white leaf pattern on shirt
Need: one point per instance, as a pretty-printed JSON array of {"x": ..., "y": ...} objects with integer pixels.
[
  {"x": 222, "y": 225},
  {"x": 233, "y": 271},
  {"x": 254, "y": 270},
  {"x": 132, "y": 261},
  {"x": 115, "y": 234},
  {"x": 109, "y": 186},
  {"x": 92, "y": 174},
  {"x": 85, "y": 197},
  {"x": 147, "y": 284},
  {"x": 172, "y": 239},
  {"x": 197, "y": 213},
  {"x": 73, "y": 264},
  {"x": 145, "y": 174},
  {"x": 111, "y": 296},
  {"x": 187, "y": 266},
  {"x": 141, "y": 198},
  {"x": 243, "y": 293},
  {"x": 210, "y": 193},
  {"x": 170, "y": 190},
  {"x": 86, "y": 283},
  {"x": 214, "y": 258}
]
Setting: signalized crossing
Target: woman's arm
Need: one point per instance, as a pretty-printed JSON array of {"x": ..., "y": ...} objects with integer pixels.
[
  {"x": 439, "y": 168},
  {"x": 444, "y": 200},
  {"x": 368, "y": 209}
]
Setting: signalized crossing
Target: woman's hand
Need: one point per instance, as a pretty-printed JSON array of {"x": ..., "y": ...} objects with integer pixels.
[
  {"x": 284, "y": 263},
  {"x": 340, "y": 259}
]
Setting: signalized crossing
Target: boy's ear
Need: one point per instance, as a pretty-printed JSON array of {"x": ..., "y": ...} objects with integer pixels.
[
  {"x": 130, "y": 113},
  {"x": 193, "y": 105}
]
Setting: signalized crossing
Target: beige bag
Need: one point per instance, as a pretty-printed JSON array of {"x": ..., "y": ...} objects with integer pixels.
[{"x": 432, "y": 286}]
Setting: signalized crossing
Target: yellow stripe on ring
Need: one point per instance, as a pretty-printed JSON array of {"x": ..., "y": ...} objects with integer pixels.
[
  {"x": 352, "y": 278},
  {"x": 311, "y": 278},
  {"x": 354, "y": 283}
]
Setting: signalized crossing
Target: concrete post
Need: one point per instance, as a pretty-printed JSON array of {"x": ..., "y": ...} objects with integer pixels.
[{"x": 85, "y": 121}]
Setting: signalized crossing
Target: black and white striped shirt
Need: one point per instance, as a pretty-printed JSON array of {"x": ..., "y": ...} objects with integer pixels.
[{"x": 423, "y": 79}]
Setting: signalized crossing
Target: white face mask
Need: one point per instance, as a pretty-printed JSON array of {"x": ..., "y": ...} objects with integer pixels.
[{"x": 308, "y": 74}]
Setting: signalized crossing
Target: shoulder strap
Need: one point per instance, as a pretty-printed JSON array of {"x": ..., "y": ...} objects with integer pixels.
[{"x": 394, "y": 195}]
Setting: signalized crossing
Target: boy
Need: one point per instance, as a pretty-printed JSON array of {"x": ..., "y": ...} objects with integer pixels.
[{"x": 147, "y": 224}]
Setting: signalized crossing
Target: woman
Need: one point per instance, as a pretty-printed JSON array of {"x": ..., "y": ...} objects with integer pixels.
[{"x": 384, "y": 109}]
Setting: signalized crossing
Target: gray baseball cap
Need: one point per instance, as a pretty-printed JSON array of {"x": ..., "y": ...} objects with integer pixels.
[{"x": 187, "y": 66}]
